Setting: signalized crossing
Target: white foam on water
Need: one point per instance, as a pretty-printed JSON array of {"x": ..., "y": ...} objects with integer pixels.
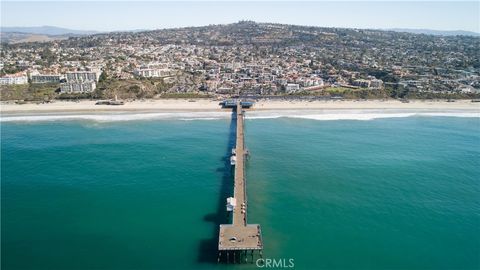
[
  {"x": 353, "y": 116},
  {"x": 321, "y": 115},
  {"x": 203, "y": 118},
  {"x": 361, "y": 115},
  {"x": 457, "y": 114},
  {"x": 119, "y": 117}
]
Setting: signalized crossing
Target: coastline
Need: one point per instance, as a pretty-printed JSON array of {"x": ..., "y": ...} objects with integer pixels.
[
  {"x": 202, "y": 105},
  {"x": 181, "y": 109}
]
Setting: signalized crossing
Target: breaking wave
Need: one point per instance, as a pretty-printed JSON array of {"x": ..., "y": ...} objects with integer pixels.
[
  {"x": 371, "y": 116},
  {"x": 119, "y": 117},
  {"x": 322, "y": 115},
  {"x": 360, "y": 115}
]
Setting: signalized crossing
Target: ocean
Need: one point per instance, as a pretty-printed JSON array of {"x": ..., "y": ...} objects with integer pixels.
[{"x": 147, "y": 191}]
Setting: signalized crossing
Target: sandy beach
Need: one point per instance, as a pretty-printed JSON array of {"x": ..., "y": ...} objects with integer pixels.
[{"x": 172, "y": 105}]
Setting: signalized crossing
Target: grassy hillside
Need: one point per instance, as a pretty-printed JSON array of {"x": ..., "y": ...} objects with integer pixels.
[{"x": 29, "y": 92}]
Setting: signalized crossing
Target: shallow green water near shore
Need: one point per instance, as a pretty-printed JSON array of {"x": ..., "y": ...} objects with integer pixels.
[{"x": 397, "y": 193}]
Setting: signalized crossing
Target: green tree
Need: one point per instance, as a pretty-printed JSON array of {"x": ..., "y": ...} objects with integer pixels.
[
  {"x": 47, "y": 56},
  {"x": 103, "y": 77}
]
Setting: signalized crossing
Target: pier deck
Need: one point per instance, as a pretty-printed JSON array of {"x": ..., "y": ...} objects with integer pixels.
[{"x": 240, "y": 235}]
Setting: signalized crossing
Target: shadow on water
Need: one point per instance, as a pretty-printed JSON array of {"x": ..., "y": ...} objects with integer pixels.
[{"x": 208, "y": 248}]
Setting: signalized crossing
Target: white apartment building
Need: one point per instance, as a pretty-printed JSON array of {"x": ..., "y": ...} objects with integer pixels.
[
  {"x": 14, "y": 79},
  {"x": 39, "y": 78},
  {"x": 154, "y": 72},
  {"x": 82, "y": 76},
  {"x": 78, "y": 87},
  {"x": 292, "y": 87}
]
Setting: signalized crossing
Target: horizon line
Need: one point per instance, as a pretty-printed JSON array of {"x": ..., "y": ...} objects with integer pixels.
[{"x": 210, "y": 24}]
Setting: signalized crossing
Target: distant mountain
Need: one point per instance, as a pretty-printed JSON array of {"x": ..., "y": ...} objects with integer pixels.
[
  {"x": 436, "y": 32},
  {"x": 46, "y": 30},
  {"x": 14, "y": 37}
]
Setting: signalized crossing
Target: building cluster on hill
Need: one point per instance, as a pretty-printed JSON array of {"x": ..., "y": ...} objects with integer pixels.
[
  {"x": 253, "y": 58},
  {"x": 70, "y": 82},
  {"x": 80, "y": 81}
]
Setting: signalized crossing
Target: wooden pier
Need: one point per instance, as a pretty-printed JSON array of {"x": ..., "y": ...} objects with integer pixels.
[{"x": 239, "y": 237}]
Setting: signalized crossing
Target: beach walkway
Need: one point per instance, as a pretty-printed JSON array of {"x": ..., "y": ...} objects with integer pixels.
[{"x": 238, "y": 238}]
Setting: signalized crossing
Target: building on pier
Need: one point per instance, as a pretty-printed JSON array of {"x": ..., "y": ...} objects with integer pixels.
[
  {"x": 232, "y": 103},
  {"x": 237, "y": 239}
]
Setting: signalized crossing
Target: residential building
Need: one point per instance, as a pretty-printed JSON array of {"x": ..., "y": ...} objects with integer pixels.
[
  {"x": 81, "y": 76},
  {"x": 376, "y": 83},
  {"x": 45, "y": 78},
  {"x": 18, "y": 78},
  {"x": 292, "y": 87},
  {"x": 154, "y": 72},
  {"x": 78, "y": 87},
  {"x": 361, "y": 83}
]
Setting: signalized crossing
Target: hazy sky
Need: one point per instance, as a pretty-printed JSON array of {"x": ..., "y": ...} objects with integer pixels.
[{"x": 128, "y": 15}]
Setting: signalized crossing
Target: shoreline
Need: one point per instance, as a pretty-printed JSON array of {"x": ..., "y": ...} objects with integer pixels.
[{"x": 202, "y": 105}]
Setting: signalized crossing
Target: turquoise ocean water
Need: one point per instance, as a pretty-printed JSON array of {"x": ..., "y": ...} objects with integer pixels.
[{"x": 397, "y": 193}]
